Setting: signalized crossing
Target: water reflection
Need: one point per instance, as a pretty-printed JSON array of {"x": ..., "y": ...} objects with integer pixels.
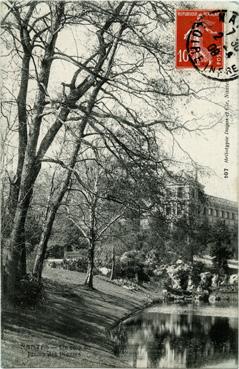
[{"x": 179, "y": 341}]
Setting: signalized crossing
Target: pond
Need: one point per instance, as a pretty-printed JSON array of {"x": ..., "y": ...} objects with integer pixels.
[{"x": 180, "y": 336}]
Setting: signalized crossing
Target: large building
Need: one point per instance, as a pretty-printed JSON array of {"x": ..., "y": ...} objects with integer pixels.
[
  {"x": 223, "y": 209},
  {"x": 186, "y": 197}
]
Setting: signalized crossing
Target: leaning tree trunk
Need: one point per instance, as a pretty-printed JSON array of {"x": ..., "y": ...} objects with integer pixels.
[
  {"x": 47, "y": 228},
  {"x": 46, "y": 233},
  {"x": 90, "y": 269},
  {"x": 42, "y": 246}
]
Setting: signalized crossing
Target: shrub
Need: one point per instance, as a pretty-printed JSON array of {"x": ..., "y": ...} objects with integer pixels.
[
  {"x": 118, "y": 273},
  {"x": 197, "y": 269},
  {"x": 56, "y": 251},
  {"x": 30, "y": 291},
  {"x": 183, "y": 276},
  {"x": 132, "y": 266},
  {"x": 78, "y": 265}
]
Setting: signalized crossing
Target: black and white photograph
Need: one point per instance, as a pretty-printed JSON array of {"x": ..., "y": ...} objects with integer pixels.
[{"x": 119, "y": 184}]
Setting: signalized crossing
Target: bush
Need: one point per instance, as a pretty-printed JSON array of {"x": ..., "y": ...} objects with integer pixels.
[
  {"x": 56, "y": 251},
  {"x": 53, "y": 264},
  {"x": 197, "y": 269},
  {"x": 132, "y": 266},
  {"x": 118, "y": 273},
  {"x": 78, "y": 265},
  {"x": 183, "y": 276},
  {"x": 30, "y": 291}
]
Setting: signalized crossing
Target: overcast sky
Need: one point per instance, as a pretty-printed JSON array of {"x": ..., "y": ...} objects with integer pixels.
[{"x": 208, "y": 148}]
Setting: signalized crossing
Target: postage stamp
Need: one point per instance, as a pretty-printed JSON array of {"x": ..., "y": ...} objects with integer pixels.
[{"x": 207, "y": 40}]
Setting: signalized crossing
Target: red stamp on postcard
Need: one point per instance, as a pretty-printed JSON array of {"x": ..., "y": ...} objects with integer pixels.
[{"x": 199, "y": 39}]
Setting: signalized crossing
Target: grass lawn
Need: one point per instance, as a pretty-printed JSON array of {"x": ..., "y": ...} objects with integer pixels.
[{"x": 70, "y": 328}]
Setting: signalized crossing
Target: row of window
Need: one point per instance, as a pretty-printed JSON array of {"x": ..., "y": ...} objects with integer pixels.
[
  {"x": 219, "y": 213},
  {"x": 206, "y": 211}
]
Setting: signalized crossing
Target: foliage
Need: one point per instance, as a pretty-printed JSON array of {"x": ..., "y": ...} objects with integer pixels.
[
  {"x": 132, "y": 265},
  {"x": 109, "y": 94},
  {"x": 197, "y": 268},
  {"x": 65, "y": 233},
  {"x": 185, "y": 236},
  {"x": 78, "y": 265},
  {"x": 183, "y": 276},
  {"x": 221, "y": 248},
  {"x": 55, "y": 251},
  {"x": 30, "y": 291}
]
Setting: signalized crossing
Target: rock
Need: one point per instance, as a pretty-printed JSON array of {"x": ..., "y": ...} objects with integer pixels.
[
  {"x": 190, "y": 286},
  {"x": 206, "y": 279},
  {"x": 199, "y": 289},
  {"x": 233, "y": 279},
  {"x": 176, "y": 283},
  {"x": 104, "y": 270},
  {"x": 158, "y": 272},
  {"x": 178, "y": 274},
  {"x": 213, "y": 298},
  {"x": 202, "y": 296},
  {"x": 215, "y": 280}
]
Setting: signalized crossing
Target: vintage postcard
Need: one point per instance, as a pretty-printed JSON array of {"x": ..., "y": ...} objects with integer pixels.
[{"x": 119, "y": 213}]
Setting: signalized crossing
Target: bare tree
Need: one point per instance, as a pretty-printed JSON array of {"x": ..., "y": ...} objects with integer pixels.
[
  {"x": 111, "y": 91},
  {"x": 89, "y": 206},
  {"x": 31, "y": 30}
]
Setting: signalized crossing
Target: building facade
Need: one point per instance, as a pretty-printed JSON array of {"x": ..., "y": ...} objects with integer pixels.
[
  {"x": 221, "y": 209},
  {"x": 187, "y": 198},
  {"x": 190, "y": 198}
]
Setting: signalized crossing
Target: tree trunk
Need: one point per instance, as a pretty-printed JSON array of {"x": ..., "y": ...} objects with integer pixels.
[
  {"x": 22, "y": 137},
  {"x": 112, "y": 275},
  {"x": 42, "y": 247},
  {"x": 46, "y": 233},
  {"x": 15, "y": 267},
  {"x": 90, "y": 269},
  {"x": 28, "y": 166}
]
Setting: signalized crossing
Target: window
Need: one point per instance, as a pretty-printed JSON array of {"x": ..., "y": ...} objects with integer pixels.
[
  {"x": 223, "y": 214},
  {"x": 227, "y": 215},
  {"x": 233, "y": 216},
  {"x": 204, "y": 211},
  {"x": 168, "y": 210},
  {"x": 179, "y": 211},
  {"x": 180, "y": 192},
  {"x": 217, "y": 213},
  {"x": 210, "y": 211}
]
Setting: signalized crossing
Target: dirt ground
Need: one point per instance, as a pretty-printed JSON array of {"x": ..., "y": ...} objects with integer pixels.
[{"x": 69, "y": 329}]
